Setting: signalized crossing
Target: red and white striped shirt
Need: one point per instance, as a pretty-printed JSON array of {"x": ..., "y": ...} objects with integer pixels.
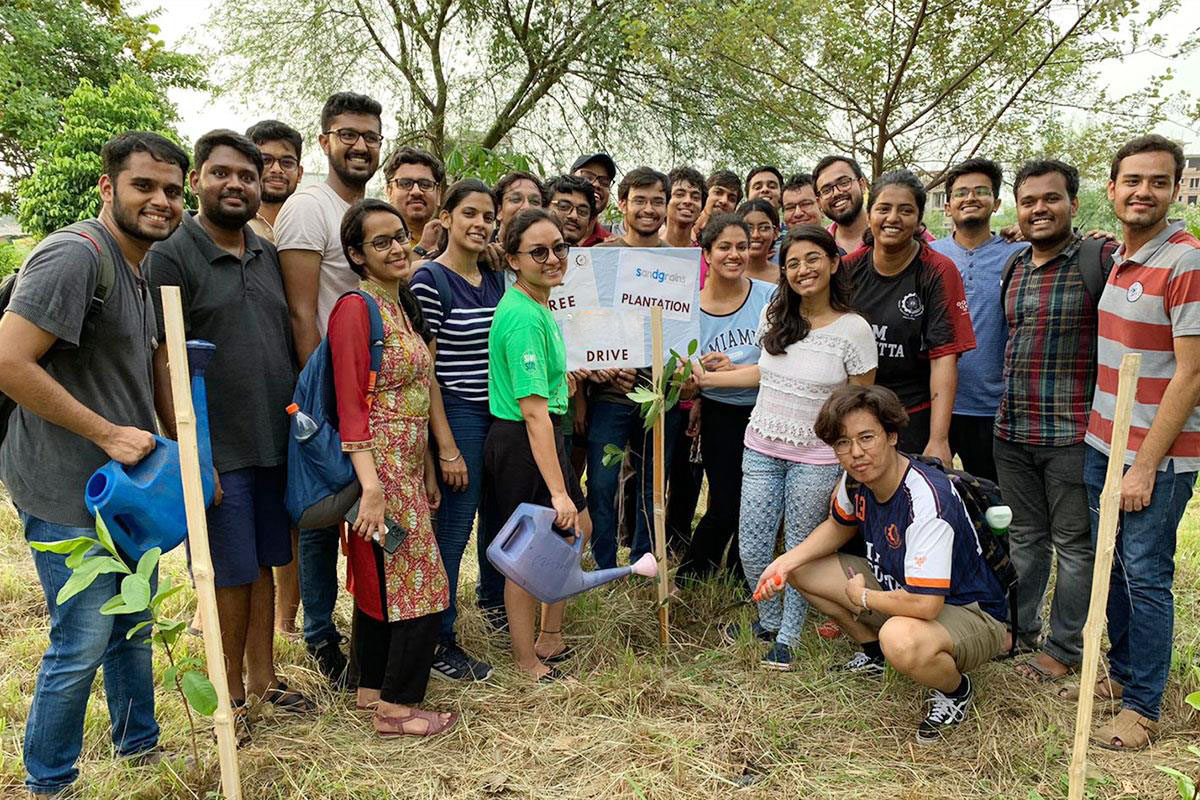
[{"x": 1151, "y": 298}]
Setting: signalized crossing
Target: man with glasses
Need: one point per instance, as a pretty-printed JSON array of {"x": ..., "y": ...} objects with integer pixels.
[
  {"x": 600, "y": 171},
  {"x": 572, "y": 201},
  {"x": 800, "y": 202},
  {"x": 414, "y": 187},
  {"x": 315, "y": 274},
  {"x": 923, "y": 599},
  {"x": 840, "y": 187},
  {"x": 972, "y": 196},
  {"x": 280, "y": 145}
]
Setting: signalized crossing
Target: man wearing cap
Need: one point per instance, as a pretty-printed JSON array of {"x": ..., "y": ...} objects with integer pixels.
[{"x": 600, "y": 171}]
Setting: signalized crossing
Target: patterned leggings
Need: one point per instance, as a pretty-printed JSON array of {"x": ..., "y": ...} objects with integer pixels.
[{"x": 773, "y": 488}]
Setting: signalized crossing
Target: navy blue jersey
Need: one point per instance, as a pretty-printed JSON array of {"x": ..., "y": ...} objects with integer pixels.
[{"x": 921, "y": 540}]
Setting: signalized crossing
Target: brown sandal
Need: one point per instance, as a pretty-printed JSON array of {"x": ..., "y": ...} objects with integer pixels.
[
  {"x": 1031, "y": 670},
  {"x": 1106, "y": 689},
  {"x": 1128, "y": 730},
  {"x": 434, "y": 723}
]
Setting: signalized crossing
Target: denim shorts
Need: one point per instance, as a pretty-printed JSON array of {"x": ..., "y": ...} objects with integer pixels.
[{"x": 250, "y": 529}]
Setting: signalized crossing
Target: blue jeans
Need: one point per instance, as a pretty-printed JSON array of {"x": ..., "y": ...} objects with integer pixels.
[
  {"x": 469, "y": 422},
  {"x": 82, "y": 640},
  {"x": 1141, "y": 608},
  {"x": 319, "y": 584},
  {"x": 620, "y": 424}
]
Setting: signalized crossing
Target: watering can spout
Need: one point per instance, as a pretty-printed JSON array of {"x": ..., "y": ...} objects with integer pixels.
[{"x": 645, "y": 566}]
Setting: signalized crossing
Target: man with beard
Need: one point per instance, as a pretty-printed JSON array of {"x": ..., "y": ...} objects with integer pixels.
[
  {"x": 688, "y": 195},
  {"x": 600, "y": 171},
  {"x": 233, "y": 297},
  {"x": 572, "y": 201},
  {"x": 414, "y": 187},
  {"x": 800, "y": 202},
  {"x": 840, "y": 187},
  {"x": 315, "y": 275},
  {"x": 75, "y": 356},
  {"x": 972, "y": 196},
  {"x": 1151, "y": 304},
  {"x": 1048, "y": 295},
  {"x": 280, "y": 146}
]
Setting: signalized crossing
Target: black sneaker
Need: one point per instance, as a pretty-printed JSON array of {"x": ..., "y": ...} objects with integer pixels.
[
  {"x": 733, "y": 631},
  {"x": 332, "y": 664},
  {"x": 863, "y": 664},
  {"x": 451, "y": 663},
  {"x": 779, "y": 657},
  {"x": 945, "y": 713}
]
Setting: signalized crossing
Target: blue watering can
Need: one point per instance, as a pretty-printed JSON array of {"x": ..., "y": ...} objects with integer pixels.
[
  {"x": 142, "y": 505},
  {"x": 529, "y": 553}
]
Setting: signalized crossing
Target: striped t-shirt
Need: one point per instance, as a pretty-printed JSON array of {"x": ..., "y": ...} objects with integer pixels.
[
  {"x": 461, "y": 366},
  {"x": 1151, "y": 297}
]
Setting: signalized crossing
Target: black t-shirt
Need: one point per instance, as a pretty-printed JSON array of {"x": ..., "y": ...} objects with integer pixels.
[
  {"x": 240, "y": 307},
  {"x": 917, "y": 314}
]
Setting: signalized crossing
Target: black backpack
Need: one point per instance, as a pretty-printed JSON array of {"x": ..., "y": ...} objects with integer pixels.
[
  {"x": 89, "y": 229},
  {"x": 1094, "y": 266}
]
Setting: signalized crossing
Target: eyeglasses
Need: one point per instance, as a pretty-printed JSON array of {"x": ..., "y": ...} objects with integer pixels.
[
  {"x": 424, "y": 184},
  {"x": 541, "y": 253},
  {"x": 788, "y": 208},
  {"x": 982, "y": 192},
  {"x": 515, "y": 198},
  {"x": 765, "y": 229},
  {"x": 865, "y": 441},
  {"x": 384, "y": 243},
  {"x": 350, "y": 137},
  {"x": 566, "y": 207},
  {"x": 595, "y": 180},
  {"x": 840, "y": 185},
  {"x": 811, "y": 260},
  {"x": 287, "y": 163}
]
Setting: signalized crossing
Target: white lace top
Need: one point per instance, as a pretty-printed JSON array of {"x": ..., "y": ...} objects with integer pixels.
[{"x": 793, "y": 386}]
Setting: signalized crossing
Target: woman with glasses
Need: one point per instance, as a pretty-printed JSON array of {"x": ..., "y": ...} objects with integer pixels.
[
  {"x": 394, "y": 571},
  {"x": 458, "y": 294},
  {"x": 812, "y": 343},
  {"x": 525, "y": 458},
  {"x": 730, "y": 308},
  {"x": 763, "y": 221},
  {"x": 913, "y": 297}
]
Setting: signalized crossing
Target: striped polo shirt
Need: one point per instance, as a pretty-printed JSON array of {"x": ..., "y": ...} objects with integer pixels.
[{"x": 1151, "y": 297}]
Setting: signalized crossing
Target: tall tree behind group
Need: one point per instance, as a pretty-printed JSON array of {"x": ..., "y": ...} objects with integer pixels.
[
  {"x": 904, "y": 82},
  {"x": 47, "y": 48},
  {"x": 449, "y": 70}
]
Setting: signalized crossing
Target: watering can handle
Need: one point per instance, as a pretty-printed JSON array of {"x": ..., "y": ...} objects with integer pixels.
[{"x": 512, "y": 528}]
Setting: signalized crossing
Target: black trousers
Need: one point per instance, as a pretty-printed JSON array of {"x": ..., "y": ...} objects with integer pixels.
[
  {"x": 722, "y": 434},
  {"x": 915, "y": 435},
  {"x": 683, "y": 493},
  {"x": 971, "y": 440},
  {"x": 395, "y": 657}
]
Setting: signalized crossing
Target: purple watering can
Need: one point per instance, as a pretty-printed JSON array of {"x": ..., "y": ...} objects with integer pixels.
[{"x": 530, "y": 554}]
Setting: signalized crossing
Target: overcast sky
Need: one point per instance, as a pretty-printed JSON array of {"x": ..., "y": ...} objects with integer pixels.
[{"x": 184, "y": 20}]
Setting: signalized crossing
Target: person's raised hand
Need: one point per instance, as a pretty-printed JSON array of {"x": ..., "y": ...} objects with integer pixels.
[
  {"x": 430, "y": 234},
  {"x": 716, "y": 361},
  {"x": 624, "y": 379},
  {"x": 1012, "y": 233},
  {"x": 127, "y": 445},
  {"x": 493, "y": 256}
]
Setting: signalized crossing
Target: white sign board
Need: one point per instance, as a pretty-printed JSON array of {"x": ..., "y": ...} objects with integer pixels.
[{"x": 604, "y": 303}]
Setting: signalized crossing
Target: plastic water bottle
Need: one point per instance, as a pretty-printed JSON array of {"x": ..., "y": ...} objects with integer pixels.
[
  {"x": 998, "y": 519},
  {"x": 303, "y": 426}
]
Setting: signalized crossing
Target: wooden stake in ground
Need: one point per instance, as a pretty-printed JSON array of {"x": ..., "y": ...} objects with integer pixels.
[
  {"x": 660, "y": 488},
  {"x": 202, "y": 569},
  {"x": 1110, "y": 510}
]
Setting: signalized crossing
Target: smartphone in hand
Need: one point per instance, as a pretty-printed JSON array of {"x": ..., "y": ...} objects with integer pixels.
[{"x": 395, "y": 531}]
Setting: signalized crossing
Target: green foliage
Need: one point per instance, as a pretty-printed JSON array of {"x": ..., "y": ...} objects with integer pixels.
[
  {"x": 12, "y": 255},
  {"x": 62, "y": 188},
  {"x": 472, "y": 160},
  {"x": 90, "y": 558},
  {"x": 1184, "y": 783},
  {"x": 50, "y": 47}
]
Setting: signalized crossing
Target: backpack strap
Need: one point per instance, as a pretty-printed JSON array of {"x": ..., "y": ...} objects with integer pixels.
[
  {"x": 1094, "y": 266},
  {"x": 442, "y": 282},
  {"x": 375, "y": 340},
  {"x": 1006, "y": 273},
  {"x": 90, "y": 229}
]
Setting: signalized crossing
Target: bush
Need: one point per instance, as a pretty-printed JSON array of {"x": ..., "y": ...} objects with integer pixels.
[{"x": 12, "y": 255}]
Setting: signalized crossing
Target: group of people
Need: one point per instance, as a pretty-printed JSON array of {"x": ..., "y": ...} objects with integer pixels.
[{"x": 829, "y": 358}]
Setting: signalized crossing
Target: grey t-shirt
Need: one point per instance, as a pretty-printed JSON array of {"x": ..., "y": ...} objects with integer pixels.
[
  {"x": 240, "y": 307},
  {"x": 105, "y": 366}
]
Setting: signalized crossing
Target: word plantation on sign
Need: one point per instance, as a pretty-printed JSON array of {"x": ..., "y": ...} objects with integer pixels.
[{"x": 603, "y": 305}]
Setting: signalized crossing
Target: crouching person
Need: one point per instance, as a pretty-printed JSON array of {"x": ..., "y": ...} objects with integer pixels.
[{"x": 924, "y": 599}]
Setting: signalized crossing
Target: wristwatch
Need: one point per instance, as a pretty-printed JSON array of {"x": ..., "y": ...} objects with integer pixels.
[{"x": 421, "y": 251}]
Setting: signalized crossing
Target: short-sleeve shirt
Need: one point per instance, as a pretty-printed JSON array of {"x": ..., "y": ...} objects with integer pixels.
[
  {"x": 736, "y": 335},
  {"x": 239, "y": 306},
  {"x": 921, "y": 539},
  {"x": 606, "y": 392},
  {"x": 917, "y": 314},
  {"x": 461, "y": 366},
  {"x": 105, "y": 365},
  {"x": 526, "y": 356},
  {"x": 311, "y": 219},
  {"x": 1151, "y": 297},
  {"x": 981, "y": 371},
  {"x": 794, "y": 385}
]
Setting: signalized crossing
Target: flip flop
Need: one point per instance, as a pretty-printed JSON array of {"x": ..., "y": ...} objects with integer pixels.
[
  {"x": 552, "y": 676},
  {"x": 562, "y": 655},
  {"x": 1040, "y": 674},
  {"x": 1127, "y": 731},
  {"x": 435, "y": 724},
  {"x": 286, "y": 699}
]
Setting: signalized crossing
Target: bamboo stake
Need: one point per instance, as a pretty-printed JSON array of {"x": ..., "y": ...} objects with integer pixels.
[
  {"x": 202, "y": 569},
  {"x": 660, "y": 489},
  {"x": 1106, "y": 538}
]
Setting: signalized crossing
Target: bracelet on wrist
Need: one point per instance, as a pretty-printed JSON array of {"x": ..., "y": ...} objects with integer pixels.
[
  {"x": 450, "y": 460},
  {"x": 864, "y": 601}
]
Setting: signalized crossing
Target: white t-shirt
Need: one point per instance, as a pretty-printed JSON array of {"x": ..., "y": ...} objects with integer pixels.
[
  {"x": 311, "y": 219},
  {"x": 793, "y": 387}
]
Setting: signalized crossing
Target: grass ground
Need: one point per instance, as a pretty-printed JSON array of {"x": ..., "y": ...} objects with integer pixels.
[{"x": 696, "y": 720}]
